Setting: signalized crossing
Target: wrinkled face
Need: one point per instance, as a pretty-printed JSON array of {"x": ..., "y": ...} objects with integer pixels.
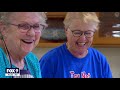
[
  {"x": 23, "y": 38},
  {"x": 77, "y": 43}
]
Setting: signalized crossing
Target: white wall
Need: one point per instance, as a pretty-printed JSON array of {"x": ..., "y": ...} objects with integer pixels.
[{"x": 112, "y": 54}]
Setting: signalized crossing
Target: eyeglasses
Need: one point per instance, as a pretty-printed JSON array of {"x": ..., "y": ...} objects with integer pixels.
[
  {"x": 25, "y": 27},
  {"x": 78, "y": 33}
]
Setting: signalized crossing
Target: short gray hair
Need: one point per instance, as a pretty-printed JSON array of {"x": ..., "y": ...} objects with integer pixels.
[
  {"x": 4, "y": 16},
  {"x": 83, "y": 16}
]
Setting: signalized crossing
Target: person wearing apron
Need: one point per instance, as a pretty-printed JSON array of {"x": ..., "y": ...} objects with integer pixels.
[{"x": 20, "y": 33}]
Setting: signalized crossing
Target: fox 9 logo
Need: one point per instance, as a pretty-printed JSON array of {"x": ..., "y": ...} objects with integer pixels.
[{"x": 12, "y": 72}]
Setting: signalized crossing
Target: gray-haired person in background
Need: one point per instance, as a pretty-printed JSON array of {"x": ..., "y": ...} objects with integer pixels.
[
  {"x": 76, "y": 58},
  {"x": 19, "y": 34}
]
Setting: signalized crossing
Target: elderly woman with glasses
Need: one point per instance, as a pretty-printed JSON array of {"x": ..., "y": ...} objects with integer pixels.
[
  {"x": 76, "y": 58},
  {"x": 19, "y": 34}
]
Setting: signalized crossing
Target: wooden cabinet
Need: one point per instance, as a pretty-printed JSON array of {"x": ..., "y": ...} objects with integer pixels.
[
  {"x": 54, "y": 35},
  {"x": 108, "y": 34},
  {"x": 56, "y": 14}
]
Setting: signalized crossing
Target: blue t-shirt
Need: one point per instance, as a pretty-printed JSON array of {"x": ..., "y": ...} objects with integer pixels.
[
  {"x": 60, "y": 63},
  {"x": 31, "y": 61}
]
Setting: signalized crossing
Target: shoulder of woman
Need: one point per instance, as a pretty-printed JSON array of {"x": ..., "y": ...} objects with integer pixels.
[{"x": 31, "y": 56}]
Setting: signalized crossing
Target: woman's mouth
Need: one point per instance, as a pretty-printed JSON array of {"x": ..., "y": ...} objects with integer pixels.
[
  {"x": 80, "y": 44},
  {"x": 28, "y": 41}
]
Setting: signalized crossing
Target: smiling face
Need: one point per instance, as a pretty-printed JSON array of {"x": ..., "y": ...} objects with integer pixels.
[
  {"x": 80, "y": 28},
  {"x": 79, "y": 44},
  {"x": 18, "y": 42}
]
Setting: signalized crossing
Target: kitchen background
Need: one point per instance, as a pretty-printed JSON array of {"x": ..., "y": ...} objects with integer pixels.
[{"x": 106, "y": 39}]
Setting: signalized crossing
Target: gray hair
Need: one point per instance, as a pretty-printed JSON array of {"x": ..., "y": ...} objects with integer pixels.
[
  {"x": 85, "y": 17},
  {"x": 4, "y": 17}
]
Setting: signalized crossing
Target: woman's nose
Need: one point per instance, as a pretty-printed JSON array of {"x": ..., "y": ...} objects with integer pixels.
[{"x": 31, "y": 32}]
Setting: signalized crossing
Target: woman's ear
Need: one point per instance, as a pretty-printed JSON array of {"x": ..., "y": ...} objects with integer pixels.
[
  {"x": 2, "y": 30},
  {"x": 65, "y": 30},
  {"x": 1, "y": 27}
]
